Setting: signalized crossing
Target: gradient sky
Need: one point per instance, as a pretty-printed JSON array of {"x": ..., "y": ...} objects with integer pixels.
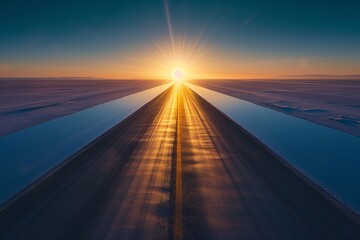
[{"x": 209, "y": 39}]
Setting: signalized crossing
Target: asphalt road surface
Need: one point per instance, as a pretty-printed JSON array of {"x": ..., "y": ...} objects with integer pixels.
[{"x": 176, "y": 169}]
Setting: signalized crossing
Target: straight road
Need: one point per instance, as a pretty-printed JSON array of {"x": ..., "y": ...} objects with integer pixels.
[{"x": 176, "y": 169}]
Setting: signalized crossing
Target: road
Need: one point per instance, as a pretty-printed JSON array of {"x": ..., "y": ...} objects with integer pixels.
[{"x": 176, "y": 169}]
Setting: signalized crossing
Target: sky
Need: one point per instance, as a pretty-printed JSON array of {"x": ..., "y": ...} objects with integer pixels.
[{"x": 208, "y": 39}]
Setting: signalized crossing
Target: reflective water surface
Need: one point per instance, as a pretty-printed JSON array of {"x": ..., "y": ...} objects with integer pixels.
[
  {"x": 30, "y": 153},
  {"x": 329, "y": 157}
]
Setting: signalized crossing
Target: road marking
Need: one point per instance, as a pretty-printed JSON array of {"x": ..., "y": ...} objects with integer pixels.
[{"x": 178, "y": 234}]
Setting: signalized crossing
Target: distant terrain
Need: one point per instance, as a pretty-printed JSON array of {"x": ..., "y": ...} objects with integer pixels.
[
  {"x": 332, "y": 103},
  {"x": 176, "y": 169},
  {"x": 27, "y": 102}
]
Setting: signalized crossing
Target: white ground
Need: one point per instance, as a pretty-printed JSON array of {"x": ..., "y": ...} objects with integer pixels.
[
  {"x": 333, "y": 103},
  {"x": 27, "y": 102}
]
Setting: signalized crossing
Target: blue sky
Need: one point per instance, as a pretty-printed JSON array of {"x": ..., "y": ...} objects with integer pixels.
[{"x": 256, "y": 38}]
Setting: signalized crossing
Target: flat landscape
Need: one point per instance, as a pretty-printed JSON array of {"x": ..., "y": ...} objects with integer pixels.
[
  {"x": 176, "y": 169},
  {"x": 332, "y": 103},
  {"x": 27, "y": 102},
  {"x": 179, "y": 120}
]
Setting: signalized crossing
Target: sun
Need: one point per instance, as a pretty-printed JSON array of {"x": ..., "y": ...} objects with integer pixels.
[{"x": 178, "y": 74}]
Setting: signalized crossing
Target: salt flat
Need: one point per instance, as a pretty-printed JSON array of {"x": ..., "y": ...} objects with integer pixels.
[
  {"x": 332, "y": 103},
  {"x": 176, "y": 167},
  {"x": 27, "y": 102}
]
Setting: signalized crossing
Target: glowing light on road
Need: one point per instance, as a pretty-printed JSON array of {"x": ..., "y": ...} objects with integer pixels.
[{"x": 178, "y": 74}]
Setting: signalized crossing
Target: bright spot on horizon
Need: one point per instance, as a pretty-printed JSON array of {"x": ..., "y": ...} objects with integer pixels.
[{"x": 178, "y": 74}]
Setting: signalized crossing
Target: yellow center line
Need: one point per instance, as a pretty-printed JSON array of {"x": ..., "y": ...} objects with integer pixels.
[{"x": 178, "y": 205}]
